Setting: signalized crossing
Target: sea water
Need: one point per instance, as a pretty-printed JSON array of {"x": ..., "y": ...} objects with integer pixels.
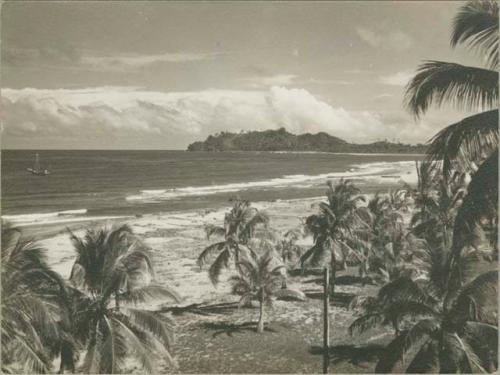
[{"x": 120, "y": 183}]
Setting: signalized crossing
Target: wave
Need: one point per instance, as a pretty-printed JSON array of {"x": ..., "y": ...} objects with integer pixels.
[
  {"x": 345, "y": 153},
  {"x": 42, "y": 216},
  {"x": 375, "y": 172},
  {"x": 58, "y": 217}
]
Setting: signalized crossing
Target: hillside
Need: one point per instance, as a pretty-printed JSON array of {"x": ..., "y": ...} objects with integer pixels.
[{"x": 281, "y": 140}]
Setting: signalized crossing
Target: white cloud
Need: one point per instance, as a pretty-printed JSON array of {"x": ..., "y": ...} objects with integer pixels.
[
  {"x": 177, "y": 118},
  {"x": 125, "y": 62},
  {"x": 390, "y": 39},
  {"x": 397, "y": 79},
  {"x": 382, "y": 96},
  {"x": 266, "y": 81},
  {"x": 328, "y": 82},
  {"x": 370, "y": 37}
]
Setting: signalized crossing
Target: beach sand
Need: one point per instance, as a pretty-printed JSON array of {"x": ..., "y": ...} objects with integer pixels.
[{"x": 212, "y": 334}]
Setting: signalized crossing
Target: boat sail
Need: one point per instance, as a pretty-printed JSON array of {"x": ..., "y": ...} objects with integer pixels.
[{"x": 37, "y": 170}]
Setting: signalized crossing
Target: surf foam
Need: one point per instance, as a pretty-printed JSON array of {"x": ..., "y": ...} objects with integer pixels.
[{"x": 376, "y": 172}]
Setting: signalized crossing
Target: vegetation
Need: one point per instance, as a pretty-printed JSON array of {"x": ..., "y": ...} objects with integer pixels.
[
  {"x": 418, "y": 245},
  {"x": 44, "y": 317},
  {"x": 111, "y": 275},
  {"x": 239, "y": 227},
  {"x": 471, "y": 145},
  {"x": 33, "y": 301},
  {"x": 281, "y": 140},
  {"x": 288, "y": 250},
  {"x": 337, "y": 229},
  {"x": 259, "y": 280},
  {"x": 449, "y": 330}
]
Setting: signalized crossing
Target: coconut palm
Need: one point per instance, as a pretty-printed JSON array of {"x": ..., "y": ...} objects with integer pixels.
[
  {"x": 288, "y": 251},
  {"x": 33, "y": 303},
  {"x": 259, "y": 280},
  {"x": 111, "y": 275},
  {"x": 336, "y": 228},
  {"x": 423, "y": 194},
  {"x": 239, "y": 227},
  {"x": 470, "y": 145},
  {"x": 450, "y": 330},
  {"x": 435, "y": 220}
]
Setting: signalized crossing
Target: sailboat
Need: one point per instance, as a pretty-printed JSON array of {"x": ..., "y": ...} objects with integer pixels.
[{"x": 37, "y": 170}]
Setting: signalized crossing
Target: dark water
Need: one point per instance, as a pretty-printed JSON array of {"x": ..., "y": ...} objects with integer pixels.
[{"x": 131, "y": 182}]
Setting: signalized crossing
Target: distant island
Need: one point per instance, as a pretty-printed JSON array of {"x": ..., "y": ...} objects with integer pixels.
[{"x": 281, "y": 140}]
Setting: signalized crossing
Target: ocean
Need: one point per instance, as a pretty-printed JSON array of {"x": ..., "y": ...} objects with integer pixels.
[{"x": 122, "y": 183}]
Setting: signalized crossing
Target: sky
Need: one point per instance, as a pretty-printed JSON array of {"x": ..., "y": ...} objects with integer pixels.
[{"x": 160, "y": 75}]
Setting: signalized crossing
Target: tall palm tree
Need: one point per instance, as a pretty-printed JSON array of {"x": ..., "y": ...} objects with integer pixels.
[
  {"x": 435, "y": 220},
  {"x": 111, "y": 275},
  {"x": 33, "y": 303},
  {"x": 257, "y": 280},
  {"x": 470, "y": 145},
  {"x": 239, "y": 227},
  {"x": 450, "y": 330},
  {"x": 335, "y": 226}
]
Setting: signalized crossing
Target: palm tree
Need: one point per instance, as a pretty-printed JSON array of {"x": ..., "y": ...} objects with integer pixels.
[
  {"x": 335, "y": 227},
  {"x": 257, "y": 281},
  {"x": 450, "y": 330},
  {"x": 239, "y": 227},
  {"x": 111, "y": 275},
  {"x": 435, "y": 220},
  {"x": 33, "y": 303},
  {"x": 470, "y": 145},
  {"x": 288, "y": 250}
]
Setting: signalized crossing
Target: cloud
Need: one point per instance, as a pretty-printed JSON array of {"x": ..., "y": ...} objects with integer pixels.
[
  {"x": 260, "y": 81},
  {"x": 104, "y": 115},
  {"x": 391, "y": 39},
  {"x": 397, "y": 79},
  {"x": 370, "y": 37},
  {"x": 263, "y": 81},
  {"x": 125, "y": 62},
  {"x": 90, "y": 60},
  {"x": 315, "y": 81},
  {"x": 382, "y": 96}
]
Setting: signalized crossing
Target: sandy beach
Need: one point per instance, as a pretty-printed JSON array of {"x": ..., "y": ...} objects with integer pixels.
[{"x": 212, "y": 333}]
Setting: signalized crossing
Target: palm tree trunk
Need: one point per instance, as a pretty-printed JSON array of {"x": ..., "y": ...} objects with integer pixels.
[
  {"x": 333, "y": 267},
  {"x": 260, "y": 324}
]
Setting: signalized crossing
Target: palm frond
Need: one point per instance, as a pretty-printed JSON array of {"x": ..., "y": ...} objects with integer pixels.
[
  {"x": 312, "y": 255},
  {"x": 476, "y": 25},
  {"x": 366, "y": 322},
  {"x": 426, "y": 361},
  {"x": 33, "y": 359},
  {"x": 109, "y": 355},
  {"x": 149, "y": 292},
  {"x": 392, "y": 354},
  {"x": 211, "y": 230},
  {"x": 485, "y": 333},
  {"x": 463, "y": 86},
  {"x": 154, "y": 324},
  {"x": 421, "y": 329},
  {"x": 208, "y": 251},
  {"x": 480, "y": 201},
  {"x": 91, "y": 362},
  {"x": 473, "y": 361},
  {"x": 477, "y": 300},
  {"x": 463, "y": 144},
  {"x": 402, "y": 289},
  {"x": 221, "y": 262},
  {"x": 140, "y": 348}
]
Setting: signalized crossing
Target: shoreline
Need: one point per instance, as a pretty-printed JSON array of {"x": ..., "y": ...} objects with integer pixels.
[{"x": 175, "y": 239}]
